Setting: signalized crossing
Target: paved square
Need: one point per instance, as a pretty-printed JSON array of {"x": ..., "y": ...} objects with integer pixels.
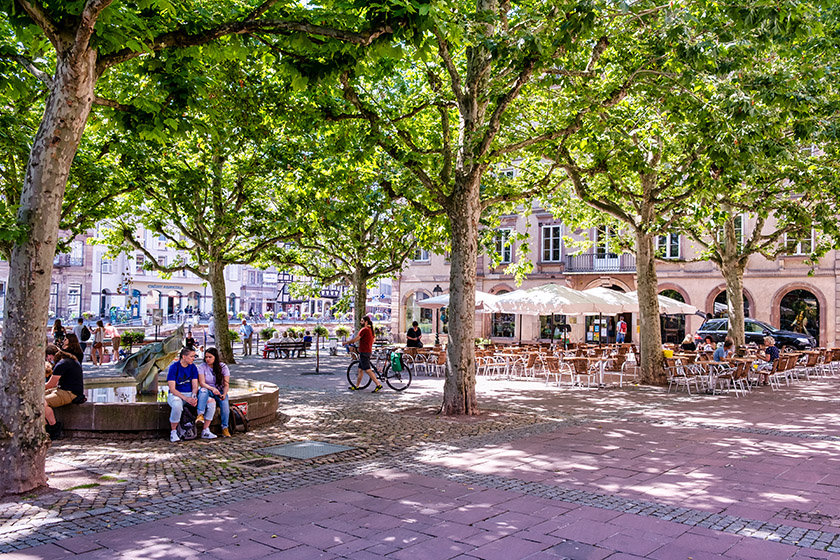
[{"x": 553, "y": 473}]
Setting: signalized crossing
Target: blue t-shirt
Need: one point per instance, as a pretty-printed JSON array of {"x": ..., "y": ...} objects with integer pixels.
[
  {"x": 772, "y": 353},
  {"x": 719, "y": 355},
  {"x": 182, "y": 376}
]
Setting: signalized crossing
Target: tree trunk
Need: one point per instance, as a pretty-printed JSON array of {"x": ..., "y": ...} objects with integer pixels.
[
  {"x": 464, "y": 213},
  {"x": 216, "y": 276},
  {"x": 733, "y": 273},
  {"x": 734, "y": 276},
  {"x": 359, "y": 297},
  {"x": 23, "y": 441},
  {"x": 650, "y": 343}
]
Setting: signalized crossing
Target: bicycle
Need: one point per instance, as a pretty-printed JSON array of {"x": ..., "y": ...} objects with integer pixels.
[{"x": 396, "y": 380}]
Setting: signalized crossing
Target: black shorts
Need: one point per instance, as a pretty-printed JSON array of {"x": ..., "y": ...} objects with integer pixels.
[{"x": 364, "y": 360}]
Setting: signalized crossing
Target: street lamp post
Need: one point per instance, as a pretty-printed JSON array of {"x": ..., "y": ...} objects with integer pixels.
[{"x": 437, "y": 291}]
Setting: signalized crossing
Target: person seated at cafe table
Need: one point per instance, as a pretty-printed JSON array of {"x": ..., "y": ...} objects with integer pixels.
[
  {"x": 708, "y": 344},
  {"x": 770, "y": 354},
  {"x": 688, "y": 344},
  {"x": 725, "y": 351}
]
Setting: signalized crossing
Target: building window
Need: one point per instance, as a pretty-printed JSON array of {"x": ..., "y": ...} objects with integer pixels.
[
  {"x": 54, "y": 298},
  {"x": 234, "y": 272},
  {"x": 139, "y": 263},
  {"x": 796, "y": 246},
  {"x": 739, "y": 231},
  {"x": 508, "y": 172},
  {"x": 74, "y": 300},
  {"x": 668, "y": 246},
  {"x": 552, "y": 243},
  {"x": 106, "y": 265},
  {"x": 161, "y": 261},
  {"x": 503, "y": 245},
  {"x": 77, "y": 253},
  {"x": 421, "y": 255},
  {"x": 161, "y": 242}
]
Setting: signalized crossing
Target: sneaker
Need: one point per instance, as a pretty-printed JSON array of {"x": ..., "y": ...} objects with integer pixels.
[
  {"x": 173, "y": 436},
  {"x": 225, "y": 432},
  {"x": 207, "y": 434},
  {"x": 378, "y": 388},
  {"x": 353, "y": 388},
  {"x": 199, "y": 419}
]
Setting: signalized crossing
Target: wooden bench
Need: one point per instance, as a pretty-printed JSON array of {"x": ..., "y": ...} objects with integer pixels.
[{"x": 287, "y": 348}]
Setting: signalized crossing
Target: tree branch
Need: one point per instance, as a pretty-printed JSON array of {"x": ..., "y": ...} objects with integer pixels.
[
  {"x": 34, "y": 70},
  {"x": 42, "y": 20},
  {"x": 112, "y": 104},
  {"x": 454, "y": 76},
  {"x": 84, "y": 31}
]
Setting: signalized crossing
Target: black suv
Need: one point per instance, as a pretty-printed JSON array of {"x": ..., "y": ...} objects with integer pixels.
[{"x": 755, "y": 331}]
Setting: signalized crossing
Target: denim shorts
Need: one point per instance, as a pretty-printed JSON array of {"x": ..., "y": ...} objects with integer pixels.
[{"x": 364, "y": 360}]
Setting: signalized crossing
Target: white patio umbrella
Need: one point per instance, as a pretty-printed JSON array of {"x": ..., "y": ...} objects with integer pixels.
[
  {"x": 483, "y": 302},
  {"x": 550, "y": 299},
  {"x": 629, "y": 304},
  {"x": 670, "y": 306}
]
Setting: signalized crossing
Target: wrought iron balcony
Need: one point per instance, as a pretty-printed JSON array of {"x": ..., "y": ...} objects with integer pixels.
[
  {"x": 66, "y": 260},
  {"x": 606, "y": 262}
]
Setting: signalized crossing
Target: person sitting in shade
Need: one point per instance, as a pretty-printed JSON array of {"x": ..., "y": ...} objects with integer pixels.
[
  {"x": 66, "y": 384},
  {"x": 275, "y": 338},
  {"x": 182, "y": 379},
  {"x": 724, "y": 352},
  {"x": 214, "y": 379},
  {"x": 770, "y": 354},
  {"x": 688, "y": 344}
]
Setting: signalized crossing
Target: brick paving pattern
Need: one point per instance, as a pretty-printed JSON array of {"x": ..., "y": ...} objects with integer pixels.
[{"x": 550, "y": 473}]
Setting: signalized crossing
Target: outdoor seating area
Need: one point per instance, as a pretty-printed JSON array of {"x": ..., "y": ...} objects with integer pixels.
[
  {"x": 698, "y": 374},
  {"x": 573, "y": 365}
]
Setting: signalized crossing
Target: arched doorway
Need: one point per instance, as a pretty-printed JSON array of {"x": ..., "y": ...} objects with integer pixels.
[
  {"x": 232, "y": 303},
  {"x": 104, "y": 303},
  {"x": 673, "y": 326},
  {"x": 173, "y": 302},
  {"x": 413, "y": 312},
  {"x": 722, "y": 306},
  {"x": 799, "y": 311},
  {"x": 193, "y": 304}
]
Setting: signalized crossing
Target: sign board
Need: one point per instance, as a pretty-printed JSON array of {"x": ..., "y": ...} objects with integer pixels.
[
  {"x": 157, "y": 317},
  {"x": 269, "y": 277}
]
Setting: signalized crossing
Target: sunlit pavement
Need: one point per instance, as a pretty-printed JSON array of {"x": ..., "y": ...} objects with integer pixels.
[{"x": 545, "y": 472}]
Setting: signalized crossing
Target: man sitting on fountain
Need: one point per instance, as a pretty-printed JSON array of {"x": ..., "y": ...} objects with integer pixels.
[
  {"x": 65, "y": 386},
  {"x": 183, "y": 386}
]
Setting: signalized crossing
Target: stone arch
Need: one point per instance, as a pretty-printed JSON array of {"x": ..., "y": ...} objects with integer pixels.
[
  {"x": 716, "y": 291},
  {"x": 679, "y": 289},
  {"x": 501, "y": 287},
  {"x": 776, "y": 302},
  {"x": 608, "y": 282}
]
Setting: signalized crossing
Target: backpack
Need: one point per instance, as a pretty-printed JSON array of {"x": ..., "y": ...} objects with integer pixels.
[
  {"x": 186, "y": 429},
  {"x": 85, "y": 333},
  {"x": 238, "y": 420}
]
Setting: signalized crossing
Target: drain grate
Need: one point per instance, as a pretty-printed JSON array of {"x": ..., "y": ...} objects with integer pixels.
[
  {"x": 305, "y": 449},
  {"x": 259, "y": 463}
]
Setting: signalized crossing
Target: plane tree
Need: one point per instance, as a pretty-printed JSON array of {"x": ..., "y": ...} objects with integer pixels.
[
  {"x": 214, "y": 192},
  {"x": 489, "y": 82},
  {"x": 70, "y": 47}
]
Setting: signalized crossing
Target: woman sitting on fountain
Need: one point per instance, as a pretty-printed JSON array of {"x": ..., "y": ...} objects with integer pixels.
[
  {"x": 214, "y": 380},
  {"x": 72, "y": 346}
]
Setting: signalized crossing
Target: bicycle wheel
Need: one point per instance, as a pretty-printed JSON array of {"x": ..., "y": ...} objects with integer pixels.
[
  {"x": 400, "y": 380},
  {"x": 353, "y": 373}
]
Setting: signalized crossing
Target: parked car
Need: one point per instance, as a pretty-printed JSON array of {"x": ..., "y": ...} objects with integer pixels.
[{"x": 755, "y": 331}]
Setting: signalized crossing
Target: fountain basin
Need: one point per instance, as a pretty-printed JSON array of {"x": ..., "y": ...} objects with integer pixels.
[{"x": 114, "y": 409}]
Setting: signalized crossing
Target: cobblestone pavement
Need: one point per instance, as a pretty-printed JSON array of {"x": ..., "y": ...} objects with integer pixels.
[{"x": 544, "y": 473}]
